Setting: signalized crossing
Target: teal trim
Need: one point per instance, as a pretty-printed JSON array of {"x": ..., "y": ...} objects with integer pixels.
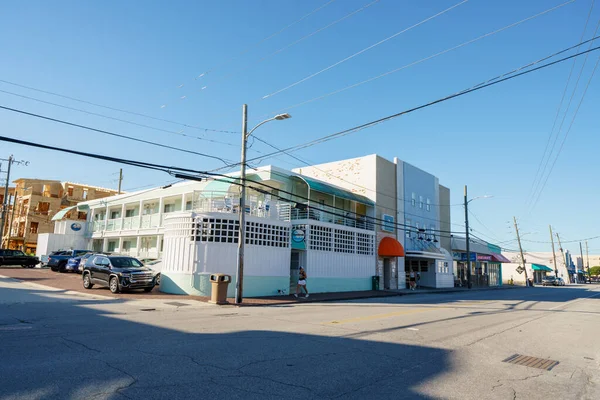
[
  {"x": 494, "y": 249},
  {"x": 334, "y": 191},
  {"x": 62, "y": 213},
  {"x": 219, "y": 185},
  {"x": 200, "y": 285},
  {"x": 539, "y": 267},
  {"x": 324, "y": 285}
]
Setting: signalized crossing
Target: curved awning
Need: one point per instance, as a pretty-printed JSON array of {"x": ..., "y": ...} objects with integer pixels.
[
  {"x": 62, "y": 213},
  {"x": 390, "y": 247},
  {"x": 539, "y": 267},
  {"x": 327, "y": 188}
]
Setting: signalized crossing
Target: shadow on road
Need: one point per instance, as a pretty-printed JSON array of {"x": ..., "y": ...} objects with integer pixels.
[{"x": 78, "y": 349}]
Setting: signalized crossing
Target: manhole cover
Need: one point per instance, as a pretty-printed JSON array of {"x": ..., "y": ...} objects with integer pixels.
[
  {"x": 177, "y": 304},
  {"x": 532, "y": 362}
]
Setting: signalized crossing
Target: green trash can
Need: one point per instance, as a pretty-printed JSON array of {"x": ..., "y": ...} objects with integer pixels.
[{"x": 375, "y": 283}]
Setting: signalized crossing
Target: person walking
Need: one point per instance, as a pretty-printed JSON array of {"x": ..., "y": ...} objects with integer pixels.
[
  {"x": 301, "y": 282},
  {"x": 412, "y": 280}
]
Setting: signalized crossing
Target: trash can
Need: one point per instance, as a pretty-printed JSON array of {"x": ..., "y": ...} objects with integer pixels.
[
  {"x": 375, "y": 283},
  {"x": 219, "y": 284}
]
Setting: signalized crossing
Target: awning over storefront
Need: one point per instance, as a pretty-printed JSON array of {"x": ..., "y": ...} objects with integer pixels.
[
  {"x": 62, "y": 213},
  {"x": 390, "y": 247},
  {"x": 539, "y": 267},
  {"x": 323, "y": 187},
  {"x": 499, "y": 258}
]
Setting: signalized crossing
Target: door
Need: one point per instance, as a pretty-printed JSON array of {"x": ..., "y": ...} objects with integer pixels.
[
  {"x": 294, "y": 270},
  {"x": 100, "y": 269},
  {"x": 387, "y": 273}
]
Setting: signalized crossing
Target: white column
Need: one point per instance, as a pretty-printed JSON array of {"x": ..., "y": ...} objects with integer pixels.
[
  {"x": 106, "y": 218},
  {"x": 120, "y": 245},
  {"x": 91, "y": 214},
  {"x": 140, "y": 212},
  {"x": 183, "y": 202},
  {"x": 160, "y": 210},
  {"x": 122, "y": 216},
  {"x": 105, "y": 244}
]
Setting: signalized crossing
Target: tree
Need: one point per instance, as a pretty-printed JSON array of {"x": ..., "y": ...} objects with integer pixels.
[{"x": 595, "y": 271}]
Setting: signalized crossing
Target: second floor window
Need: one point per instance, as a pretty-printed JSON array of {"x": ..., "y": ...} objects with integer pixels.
[
  {"x": 428, "y": 206},
  {"x": 33, "y": 228},
  {"x": 169, "y": 208},
  {"x": 413, "y": 200},
  {"x": 129, "y": 213},
  {"x": 420, "y": 201},
  {"x": 43, "y": 207},
  {"x": 70, "y": 191}
]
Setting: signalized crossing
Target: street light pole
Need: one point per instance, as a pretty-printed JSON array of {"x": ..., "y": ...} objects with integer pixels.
[
  {"x": 239, "y": 276},
  {"x": 5, "y": 201}
]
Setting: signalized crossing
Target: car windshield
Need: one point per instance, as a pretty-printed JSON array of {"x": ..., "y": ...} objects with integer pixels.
[
  {"x": 17, "y": 253},
  {"x": 124, "y": 262},
  {"x": 79, "y": 253}
]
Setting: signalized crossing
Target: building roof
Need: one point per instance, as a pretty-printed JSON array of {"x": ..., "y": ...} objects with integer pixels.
[{"x": 89, "y": 186}]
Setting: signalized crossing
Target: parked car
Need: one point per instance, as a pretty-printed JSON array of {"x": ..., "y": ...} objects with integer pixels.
[
  {"x": 58, "y": 261},
  {"x": 156, "y": 266},
  {"x": 560, "y": 282},
  {"x": 549, "y": 281},
  {"x": 118, "y": 273},
  {"x": 83, "y": 259},
  {"x": 17, "y": 257}
]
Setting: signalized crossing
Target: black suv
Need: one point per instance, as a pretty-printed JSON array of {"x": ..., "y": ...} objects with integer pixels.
[
  {"x": 17, "y": 257},
  {"x": 118, "y": 273}
]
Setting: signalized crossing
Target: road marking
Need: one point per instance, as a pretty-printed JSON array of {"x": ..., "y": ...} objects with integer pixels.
[
  {"x": 412, "y": 329},
  {"x": 14, "y": 327},
  {"x": 380, "y": 316}
]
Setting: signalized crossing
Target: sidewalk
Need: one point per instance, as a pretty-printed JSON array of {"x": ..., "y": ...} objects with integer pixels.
[{"x": 341, "y": 296}]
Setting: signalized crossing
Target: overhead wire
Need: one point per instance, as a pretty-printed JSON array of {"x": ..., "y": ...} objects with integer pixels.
[
  {"x": 264, "y": 58},
  {"x": 363, "y": 50},
  {"x": 480, "y": 86},
  {"x": 186, "y": 173},
  {"x": 425, "y": 58},
  {"x": 186, "y": 125},
  {"x": 113, "y": 134},
  {"x": 535, "y": 182}
]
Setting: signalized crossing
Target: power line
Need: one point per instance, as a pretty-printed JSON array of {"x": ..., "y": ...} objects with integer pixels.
[
  {"x": 425, "y": 59},
  {"x": 567, "y": 133},
  {"x": 116, "y": 109},
  {"x": 477, "y": 87},
  {"x": 535, "y": 179},
  {"x": 113, "y": 134},
  {"x": 183, "y": 173},
  {"x": 363, "y": 50},
  {"x": 180, "y": 133},
  {"x": 260, "y": 60}
]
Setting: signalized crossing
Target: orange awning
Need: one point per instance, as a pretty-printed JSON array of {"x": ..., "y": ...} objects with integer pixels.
[{"x": 390, "y": 247}]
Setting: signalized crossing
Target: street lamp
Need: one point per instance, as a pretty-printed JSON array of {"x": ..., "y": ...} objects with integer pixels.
[
  {"x": 467, "y": 233},
  {"x": 239, "y": 277}
]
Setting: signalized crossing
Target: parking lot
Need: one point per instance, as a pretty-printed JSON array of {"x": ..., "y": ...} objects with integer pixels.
[{"x": 71, "y": 281}]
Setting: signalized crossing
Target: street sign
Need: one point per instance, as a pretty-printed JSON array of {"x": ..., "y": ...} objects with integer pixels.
[{"x": 520, "y": 269}]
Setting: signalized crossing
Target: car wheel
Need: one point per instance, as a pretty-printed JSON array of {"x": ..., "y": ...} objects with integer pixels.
[
  {"x": 113, "y": 285},
  {"x": 54, "y": 268},
  {"x": 87, "y": 282},
  {"x": 31, "y": 266},
  {"x": 61, "y": 267},
  {"x": 148, "y": 289}
]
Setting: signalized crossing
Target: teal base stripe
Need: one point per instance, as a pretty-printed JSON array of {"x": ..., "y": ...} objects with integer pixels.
[{"x": 200, "y": 285}]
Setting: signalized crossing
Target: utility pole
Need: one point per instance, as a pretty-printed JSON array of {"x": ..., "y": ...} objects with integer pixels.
[
  {"x": 582, "y": 264},
  {"x": 553, "y": 253},
  {"x": 587, "y": 255},
  {"x": 12, "y": 218},
  {"x": 120, "y": 179},
  {"x": 239, "y": 276},
  {"x": 5, "y": 201},
  {"x": 564, "y": 256},
  {"x": 521, "y": 250},
  {"x": 468, "y": 248}
]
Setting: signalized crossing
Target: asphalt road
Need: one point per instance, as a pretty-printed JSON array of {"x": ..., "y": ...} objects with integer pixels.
[{"x": 56, "y": 344}]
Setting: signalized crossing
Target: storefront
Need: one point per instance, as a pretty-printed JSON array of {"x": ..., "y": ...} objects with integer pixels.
[{"x": 485, "y": 263}]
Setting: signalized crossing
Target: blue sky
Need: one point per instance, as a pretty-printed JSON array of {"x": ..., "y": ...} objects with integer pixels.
[{"x": 134, "y": 56}]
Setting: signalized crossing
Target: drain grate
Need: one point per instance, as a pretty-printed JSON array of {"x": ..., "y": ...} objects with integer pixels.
[
  {"x": 533, "y": 362},
  {"x": 177, "y": 304}
]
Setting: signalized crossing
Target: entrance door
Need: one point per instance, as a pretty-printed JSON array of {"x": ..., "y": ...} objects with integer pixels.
[
  {"x": 294, "y": 270},
  {"x": 387, "y": 273}
]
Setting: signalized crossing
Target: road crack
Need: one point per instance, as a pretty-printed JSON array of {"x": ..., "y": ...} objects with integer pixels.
[{"x": 80, "y": 344}]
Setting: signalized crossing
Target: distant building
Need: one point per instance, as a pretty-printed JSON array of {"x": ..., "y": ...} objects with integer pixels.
[{"x": 37, "y": 201}]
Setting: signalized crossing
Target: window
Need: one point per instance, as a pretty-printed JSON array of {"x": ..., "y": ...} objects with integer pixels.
[
  {"x": 169, "y": 208},
  {"x": 408, "y": 228},
  {"x": 43, "y": 207},
  {"x": 428, "y": 207},
  {"x": 344, "y": 241},
  {"x": 365, "y": 244},
  {"x": 226, "y": 231},
  {"x": 114, "y": 214},
  {"x": 70, "y": 191},
  {"x": 81, "y": 215},
  {"x": 413, "y": 200},
  {"x": 431, "y": 232},
  {"x": 188, "y": 205},
  {"x": 421, "y": 202},
  {"x": 85, "y": 194},
  {"x": 129, "y": 213},
  {"x": 33, "y": 228}
]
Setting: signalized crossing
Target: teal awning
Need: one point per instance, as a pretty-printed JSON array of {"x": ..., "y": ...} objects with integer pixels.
[
  {"x": 220, "y": 184},
  {"x": 334, "y": 191},
  {"x": 539, "y": 267},
  {"x": 62, "y": 213}
]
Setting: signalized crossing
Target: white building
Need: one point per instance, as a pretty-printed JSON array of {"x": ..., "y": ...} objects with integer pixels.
[{"x": 342, "y": 232}]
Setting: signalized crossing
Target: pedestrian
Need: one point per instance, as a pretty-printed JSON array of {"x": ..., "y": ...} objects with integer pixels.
[
  {"x": 412, "y": 280},
  {"x": 418, "y": 280},
  {"x": 301, "y": 282}
]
